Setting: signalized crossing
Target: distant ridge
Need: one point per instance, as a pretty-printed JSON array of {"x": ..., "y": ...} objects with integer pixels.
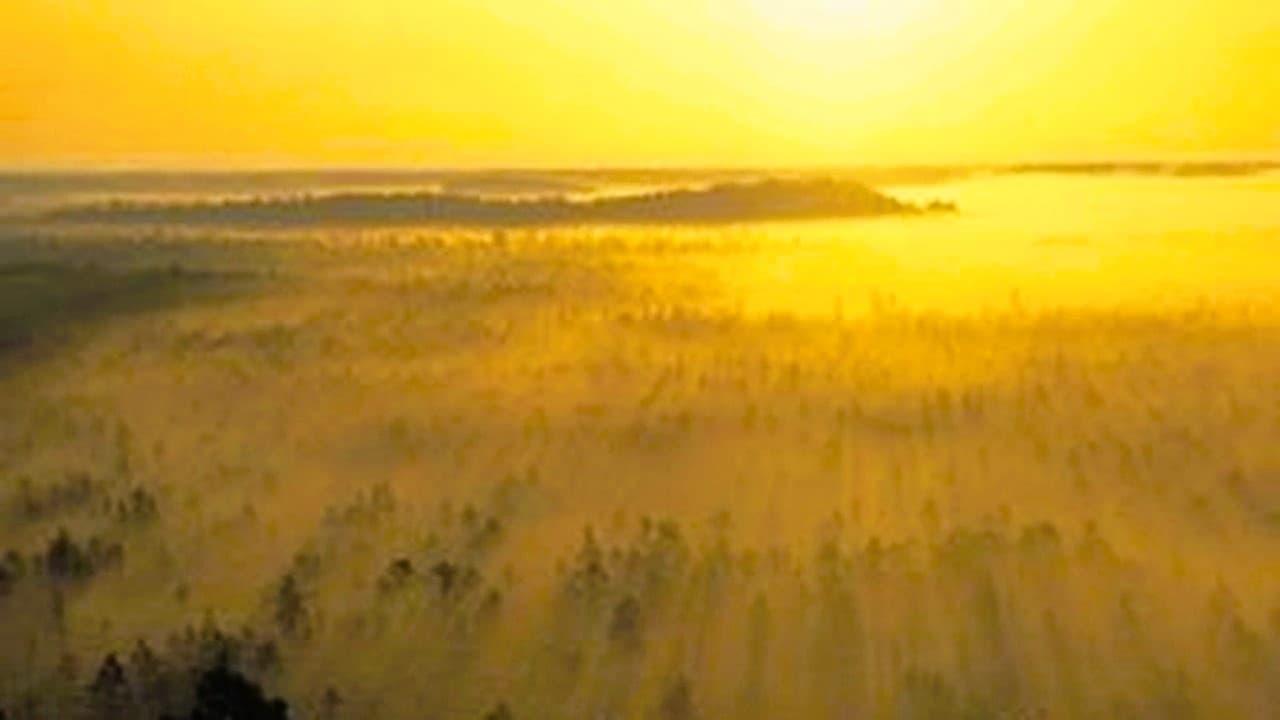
[
  {"x": 772, "y": 199},
  {"x": 1190, "y": 169}
]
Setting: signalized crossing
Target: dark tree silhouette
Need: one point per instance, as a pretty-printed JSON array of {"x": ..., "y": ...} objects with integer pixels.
[
  {"x": 156, "y": 686},
  {"x": 447, "y": 573},
  {"x": 224, "y": 694},
  {"x": 626, "y": 623},
  {"x": 109, "y": 695},
  {"x": 8, "y": 578},
  {"x": 397, "y": 575},
  {"x": 330, "y": 704},
  {"x": 64, "y": 560},
  {"x": 290, "y": 611}
]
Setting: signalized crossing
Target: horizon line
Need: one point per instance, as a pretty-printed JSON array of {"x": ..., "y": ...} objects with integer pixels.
[{"x": 267, "y": 169}]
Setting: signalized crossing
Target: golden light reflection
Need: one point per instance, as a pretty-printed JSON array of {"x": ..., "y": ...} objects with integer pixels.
[{"x": 657, "y": 82}]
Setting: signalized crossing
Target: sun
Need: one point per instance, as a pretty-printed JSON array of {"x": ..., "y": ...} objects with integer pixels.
[{"x": 842, "y": 17}]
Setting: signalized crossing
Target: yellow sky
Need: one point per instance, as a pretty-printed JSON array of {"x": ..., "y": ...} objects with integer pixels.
[{"x": 633, "y": 82}]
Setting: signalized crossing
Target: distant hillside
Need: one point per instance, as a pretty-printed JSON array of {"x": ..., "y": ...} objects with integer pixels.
[
  {"x": 773, "y": 199},
  {"x": 1188, "y": 169}
]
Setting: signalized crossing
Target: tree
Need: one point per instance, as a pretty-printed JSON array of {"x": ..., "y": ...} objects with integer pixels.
[
  {"x": 447, "y": 573},
  {"x": 64, "y": 560},
  {"x": 109, "y": 695},
  {"x": 330, "y": 703},
  {"x": 154, "y": 685},
  {"x": 291, "y": 613},
  {"x": 627, "y": 623},
  {"x": 224, "y": 694}
]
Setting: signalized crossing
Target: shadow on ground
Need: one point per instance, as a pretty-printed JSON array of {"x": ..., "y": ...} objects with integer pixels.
[{"x": 40, "y": 303}]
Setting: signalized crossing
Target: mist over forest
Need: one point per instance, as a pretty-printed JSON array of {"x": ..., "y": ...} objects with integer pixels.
[{"x": 280, "y": 445}]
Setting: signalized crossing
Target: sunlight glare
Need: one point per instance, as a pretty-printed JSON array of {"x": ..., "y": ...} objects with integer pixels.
[{"x": 842, "y": 17}]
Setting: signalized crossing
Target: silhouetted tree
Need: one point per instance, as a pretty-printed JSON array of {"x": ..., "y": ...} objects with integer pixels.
[
  {"x": 396, "y": 576},
  {"x": 152, "y": 681},
  {"x": 290, "y": 610},
  {"x": 330, "y": 703},
  {"x": 8, "y": 578},
  {"x": 139, "y": 507},
  {"x": 266, "y": 656},
  {"x": 447, "y": 573},
  {"x": 64, "y": 560},
  {"x": 589, "y": 572},
  {"x": 625, "y": 625},
  {"x": 109, "y": 695},
  {"x": 224, "y": 694}
]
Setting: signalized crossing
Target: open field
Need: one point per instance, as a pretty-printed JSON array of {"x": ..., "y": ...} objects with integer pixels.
[{"x": 1022, "y": 460}]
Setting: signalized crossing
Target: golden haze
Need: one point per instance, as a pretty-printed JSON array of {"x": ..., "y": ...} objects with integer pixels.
[{"x": 565, "y": 82}]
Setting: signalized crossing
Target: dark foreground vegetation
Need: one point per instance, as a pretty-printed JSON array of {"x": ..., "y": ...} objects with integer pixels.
[{"x": 623, "y": 600}]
